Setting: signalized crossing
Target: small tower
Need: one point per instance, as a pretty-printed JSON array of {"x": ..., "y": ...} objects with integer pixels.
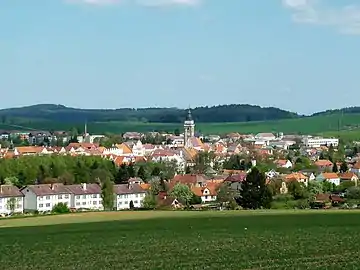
[{"x": 189, "y": 128}]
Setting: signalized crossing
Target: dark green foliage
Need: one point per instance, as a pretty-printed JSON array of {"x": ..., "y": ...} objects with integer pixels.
[
  {"x": 297, "y": 190},
  {"x": 60, "y": 208},
  {"x": 131, "y": 205},
  {"x": 335, "y": 168},
  {"x": 344, "y": 167},
  {"x": 222, "y": 113},
  {"x": 64, "y": 169},
  {"x": 255, "y": 193},
  {"x": 107, "y": 194},
  {"x": 141, "y": 173},
  {"x": 195, "y": 200}
]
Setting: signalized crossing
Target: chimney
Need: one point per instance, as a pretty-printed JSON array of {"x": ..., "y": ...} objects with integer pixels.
[
  {"x": 52, "y": 186},
  {"x": 1, "y": 189},
  {"x": 83, "y": 185}
]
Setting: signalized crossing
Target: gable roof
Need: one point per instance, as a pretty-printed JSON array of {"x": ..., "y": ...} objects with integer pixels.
[
  {"x": 348, "y": 175},
  {"x": 84, "y": 189},
  {"x": 128, "y": 189},
  {"x": 330, "y": 175},
  {"x": 48, "y": 189},
  {"x": 7, "y": 191}
]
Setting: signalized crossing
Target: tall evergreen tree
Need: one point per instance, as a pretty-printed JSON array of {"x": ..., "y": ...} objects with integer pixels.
[
  {"x": 335, "y": 168},
  {"x": 344, "y": 167},
  {"x": 107, "y": 194},
  {"x": 141, "y": 173},
  {"x": 254, "y": 193}
]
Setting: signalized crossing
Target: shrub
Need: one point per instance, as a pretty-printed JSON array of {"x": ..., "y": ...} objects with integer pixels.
[
  {"x": 60, "y": 208},
  {"x": 302, "y": 204}
]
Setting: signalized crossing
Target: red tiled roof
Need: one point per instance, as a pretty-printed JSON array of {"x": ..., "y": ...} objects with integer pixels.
[{"x": 84, "y": 189}]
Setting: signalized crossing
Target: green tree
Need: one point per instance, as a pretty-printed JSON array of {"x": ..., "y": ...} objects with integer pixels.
[
  {"x": 225, "y": 193},
  {"x": 11, "y": 204},
  {"x": 182, "y": 192},
  {"x": 328, "y": 187},
  {"x": 297, "y": 190},
  {"x": 203, "y": 161},
  {"x": 254, "y": 193},
  {"x": 141, "y": 173},
  {"x": 335, "y": 168},
  {"x": 13, "y": 180},
  {"x": 344, "y": 167},
  {"x": 314, "y": 188},
  {"x": 353, "y": 193},
  {"x": 60, "y": 208},
  {"x": 107, "y": 194},
  {"x": 122, "y": 175},
  {"x": 149, "y": 201}
]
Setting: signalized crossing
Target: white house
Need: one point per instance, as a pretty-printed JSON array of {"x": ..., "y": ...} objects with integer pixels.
[
  {"x": 45, "y": 196},
  {"x": 265, "y": 136},
  {"x": 127, "y": 193},
  {"x": 283, "y": 163},
  {"x": 205, "y": 193},
  {"x": 329, "y": 177},
  {"x": 85, "y": 196},
  {"x": 11, "y": 200},
  {"x": 318, "y": 141}
]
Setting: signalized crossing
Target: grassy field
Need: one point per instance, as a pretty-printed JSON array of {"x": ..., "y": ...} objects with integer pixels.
[
  {"x": 349, "y": 126},
  {"x": 183, "y": 240}
]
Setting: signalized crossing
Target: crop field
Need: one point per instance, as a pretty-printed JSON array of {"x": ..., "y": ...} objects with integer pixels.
[
  {"x": 183, "y": 240},
  {"x": 348, "y": 125}
]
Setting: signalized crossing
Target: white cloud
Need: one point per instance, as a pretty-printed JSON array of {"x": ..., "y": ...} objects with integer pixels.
[{"x": 345, "y": 18}]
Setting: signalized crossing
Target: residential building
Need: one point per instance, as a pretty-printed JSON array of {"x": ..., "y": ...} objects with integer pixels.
[
  {"x": 297, "y": 176},
  {"x": 207, "y": 194},
  {"x": 11, "y": 200},
  {"x": 127, "y": 193},
  {"x": 283, "y": 163},
  {"x": 44, "y": 197},
  {"x": 349, "y": 176},
  {"x": 329, "y": 177},
  {"x": 356, "y": 168},
  {"x": 318, "y": 141},
  {"x": 265, "y": 136},
  {"x": 85, "y": 196}
]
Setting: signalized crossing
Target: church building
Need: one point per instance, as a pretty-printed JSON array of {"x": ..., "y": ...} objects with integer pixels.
[{"x": 189, "y": 129}]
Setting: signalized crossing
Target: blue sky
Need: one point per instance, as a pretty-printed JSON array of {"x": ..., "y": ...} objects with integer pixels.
[{"x": 301, "y": 55}]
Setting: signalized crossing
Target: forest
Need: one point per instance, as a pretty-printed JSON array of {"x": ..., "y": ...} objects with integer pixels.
[
  {"x": 220, "y": 113},
  {"x": 75, "y": 170}
]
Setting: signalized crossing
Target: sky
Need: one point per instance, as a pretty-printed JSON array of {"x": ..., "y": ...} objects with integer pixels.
[{"x": 299, "y": 55}]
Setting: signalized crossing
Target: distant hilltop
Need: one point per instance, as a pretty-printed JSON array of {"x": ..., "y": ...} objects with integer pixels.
[{"x": 214, "y": 114}]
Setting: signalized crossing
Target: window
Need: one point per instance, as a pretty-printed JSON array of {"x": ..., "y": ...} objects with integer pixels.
[
  {"x": 48, "y": 205},
  {"x": 120, "y": 203},
  {"x": 206, "y": 197},
  {"x": 94, "y": 202},
  {"x": 126, "y": 202},
  {"x": 60, "y": 197},
  {"x": 41, "y": 205},
  {"x": 48, "y": 197},
  {"x": 135, "y": 202},
  {"x": 18, "y": 206},
  {"x": 84, "y": 203},
  {"x": 41, "y": 198},
  {"x": 78, "y": 197},
  {"x": 94, "y": 195},
  {"x": 67, "y": 196},
  {"x": 137, "y": 195},
  {"x": 77, "y": 203},
  {"x": 0, "y": 207},
  {"x": 84, "y": 196}
]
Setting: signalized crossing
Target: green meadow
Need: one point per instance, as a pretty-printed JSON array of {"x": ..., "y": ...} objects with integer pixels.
[
  {"x": 183, "y": 240},
  {"x": 346, "y": 126}
]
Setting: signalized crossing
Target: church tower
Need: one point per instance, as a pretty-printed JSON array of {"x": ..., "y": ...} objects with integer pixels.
[{"x": 189, "y": 129}]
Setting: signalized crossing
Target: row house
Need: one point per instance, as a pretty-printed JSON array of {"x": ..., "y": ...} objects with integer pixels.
[
  {"x": 11, "y": 200},
  {"x": 87, "y": 196},
  {"x": 128, "y": 195},
  {"x": 44, "y": 197}
]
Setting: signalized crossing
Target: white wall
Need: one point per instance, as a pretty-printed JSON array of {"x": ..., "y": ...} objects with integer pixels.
[
  {"x": 89, "y": 201},
  {"x": 46, "y": 203},
  {"x": 123, "y": 201},
  {"x": 19, "y": 205}
]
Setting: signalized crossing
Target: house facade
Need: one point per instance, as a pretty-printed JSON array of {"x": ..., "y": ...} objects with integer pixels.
[
  {"x": 127, "y": 193},
  {"x": 11, "y": 200},
  {"x": 44, "y": 197},
  {"x": 85, "y": 196},
  {"x": 329, "y": 177}
]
